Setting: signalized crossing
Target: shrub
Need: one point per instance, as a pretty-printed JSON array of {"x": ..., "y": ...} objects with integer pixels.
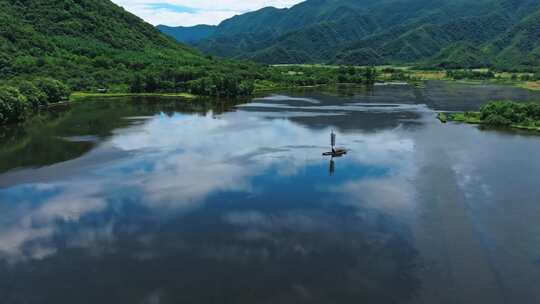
[
  {"x": 54, "y": 90},
  {"x": 497, "y": 120},
  {"x": 13, "y": 104},
  {"x": 504, "y": 113},
  {"x": 470, "y": 74},
  {"x": 35, "y": 96},
  {"x": 526, "y": 77},
  {"x": 221, "y": 85}
]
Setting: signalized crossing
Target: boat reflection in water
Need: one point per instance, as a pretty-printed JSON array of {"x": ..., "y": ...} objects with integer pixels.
[{"x": 335, "y": 152}]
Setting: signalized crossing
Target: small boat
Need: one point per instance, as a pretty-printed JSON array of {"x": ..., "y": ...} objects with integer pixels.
[{"x": 336, "y": 152}]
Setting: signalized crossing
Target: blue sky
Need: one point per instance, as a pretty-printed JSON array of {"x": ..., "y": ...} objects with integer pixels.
[{"x": 193, "y": 12}]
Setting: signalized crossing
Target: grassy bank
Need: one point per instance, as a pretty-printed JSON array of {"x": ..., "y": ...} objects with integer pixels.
[
  {"x": 465, "y": 117},
  {"x": 78, "y": 96},
  {"x": 505, "y": 114},
  {"x": 527, "y": 81}
]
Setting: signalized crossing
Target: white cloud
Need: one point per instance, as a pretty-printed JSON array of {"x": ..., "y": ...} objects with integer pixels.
[{"x": 193, "y": 12}]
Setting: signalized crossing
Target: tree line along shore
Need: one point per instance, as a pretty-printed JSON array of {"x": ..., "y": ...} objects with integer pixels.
[{"x": 20, "y": 96}]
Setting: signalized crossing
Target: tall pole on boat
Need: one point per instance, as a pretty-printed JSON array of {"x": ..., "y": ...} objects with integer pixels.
[{"x": 333, "y": 141}]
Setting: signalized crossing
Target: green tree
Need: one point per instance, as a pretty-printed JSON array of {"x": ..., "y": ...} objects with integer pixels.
[
  {"x": 151, "y": 83},
  {"x": 370, "y": 75},
  {"x": 35, "y": 96},
  {"x": 504, "y": 113},
  {"x": 13, "y": 104},
  {"x": 55, "y": 90},
  {"x": 137, "y": 85}
]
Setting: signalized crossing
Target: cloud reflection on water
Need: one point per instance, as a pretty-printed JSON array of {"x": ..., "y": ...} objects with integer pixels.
[
  {"x": 177, "y": 207},
  {"x": 173, "y": 163}
]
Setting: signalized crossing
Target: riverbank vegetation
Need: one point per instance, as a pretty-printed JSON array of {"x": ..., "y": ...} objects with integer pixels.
[
  {"x": 51, "y": 48},
  {"x": 17, "y": 98},
  {"x": 480, "y": 75},
  {"x": 503, "y": 114},
  {"x": 302, "y": 76},
  {"x": 79, "y": 96},
  {"x": 416, "y": 76},
  {"x": 20, "y": 95}
]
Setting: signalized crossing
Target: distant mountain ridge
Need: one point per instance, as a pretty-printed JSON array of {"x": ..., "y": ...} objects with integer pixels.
[
  {"x": 191, "y": 34},
  {"x": 447, "y": 33}
]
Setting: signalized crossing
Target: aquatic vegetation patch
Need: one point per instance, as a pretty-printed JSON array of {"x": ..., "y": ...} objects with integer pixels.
[{"x": 502, "y": 114}]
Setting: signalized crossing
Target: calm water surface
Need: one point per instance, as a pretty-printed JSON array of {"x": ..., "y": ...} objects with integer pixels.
[{"x": 162, "y": 201}]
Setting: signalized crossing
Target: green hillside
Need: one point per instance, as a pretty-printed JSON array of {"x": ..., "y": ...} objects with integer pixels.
[
  {"x": 92, "y": 44},
  {"x": 49, "y": 48},
  {"x": 460, "y": 55},
  {"x": 503, "y": 33},
  {"x": 520, "y": 45}
]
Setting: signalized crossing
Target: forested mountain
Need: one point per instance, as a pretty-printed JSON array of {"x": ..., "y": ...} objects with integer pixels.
[
  {"x": 90, "y": 44},
  {"x": 447, "y": 33},
  {"x": 49, "y": 48},
  {"x": 188, "y": 34}
]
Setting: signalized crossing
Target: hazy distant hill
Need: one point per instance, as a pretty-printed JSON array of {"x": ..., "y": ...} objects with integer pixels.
[
  {"x": 188, "y": 34},
  {"x": 433, "y": 32}
]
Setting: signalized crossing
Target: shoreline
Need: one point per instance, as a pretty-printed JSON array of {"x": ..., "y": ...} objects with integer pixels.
[
  {"x": 526, "y": 85},
  {"x": 416, "y": 76},
  {"x": 532, "y": 86},
  {"x": 77, "y": 96}
]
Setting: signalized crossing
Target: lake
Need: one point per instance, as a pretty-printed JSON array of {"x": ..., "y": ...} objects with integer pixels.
[{"x": 149, "y": 200}]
